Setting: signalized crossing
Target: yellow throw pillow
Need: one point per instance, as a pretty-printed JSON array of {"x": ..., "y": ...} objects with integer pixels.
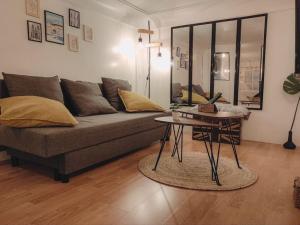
[
  {"x": 196, "y": 99},
  {"x": 33, "y": 111},
  {"x": 137, "y": 103}
]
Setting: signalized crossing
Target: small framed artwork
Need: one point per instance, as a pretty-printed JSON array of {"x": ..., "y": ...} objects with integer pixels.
[
  {"x": 34, "y": 31},
  {"x": 183, "y": 59},
  {"x": 73, "y": 43},
  {"x": 178, "y": 51},
  {"x": 74, "y": 18},
  {"x": 54, "y": 28},
  {"x": 88, "y": 33},
  {"x": 33, "y": 8}
]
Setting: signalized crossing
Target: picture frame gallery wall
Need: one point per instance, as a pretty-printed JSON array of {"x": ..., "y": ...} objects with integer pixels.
[{"x": 54, "y": 26}]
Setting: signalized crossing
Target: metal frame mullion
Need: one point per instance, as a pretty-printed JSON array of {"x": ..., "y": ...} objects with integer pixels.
[
  {"x": 212, "y": 61},
  {"x": 191, "y": 52},
  {"x": 237, "y": 63}
]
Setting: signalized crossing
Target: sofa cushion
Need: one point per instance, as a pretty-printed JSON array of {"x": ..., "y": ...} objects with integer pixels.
[
  {"x": 111, "y": 87},
  {"x": 134, "y": 102},
  {"x": 23, "y": 85},
  {"x": 3, "y": 89},
  {"x": 90, "y": 131},
  {"x": 86, "y": 98},
  {"x": 198, "y": 89},
  {"x": 33, "y": 111}
]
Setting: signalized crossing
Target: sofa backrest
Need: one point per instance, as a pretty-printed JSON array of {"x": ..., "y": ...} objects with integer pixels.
[
  {"x": 3, "y": 89},
  {"x": 4, "y": 92}
]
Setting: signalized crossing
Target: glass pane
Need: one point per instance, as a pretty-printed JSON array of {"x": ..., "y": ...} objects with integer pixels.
[
  {"x": 202, "y": 59},
  {"x": 252, "y": 46},
  {"x": 180, "y": 69},
  {"x": 224, "y": 60}
]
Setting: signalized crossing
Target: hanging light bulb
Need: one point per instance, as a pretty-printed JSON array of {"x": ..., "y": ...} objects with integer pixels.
[
  {"x": 140, "y": 39},
  {"x": 159, "y": 52}
]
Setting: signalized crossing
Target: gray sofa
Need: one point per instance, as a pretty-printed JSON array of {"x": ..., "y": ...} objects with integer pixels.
[{"x": 94, "y": 140}]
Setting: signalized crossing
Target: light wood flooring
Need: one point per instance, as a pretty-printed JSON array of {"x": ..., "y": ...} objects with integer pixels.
[{"x": 117, "y": 193}]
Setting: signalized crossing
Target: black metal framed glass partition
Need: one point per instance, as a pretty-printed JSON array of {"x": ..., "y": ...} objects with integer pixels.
[{"x": 226, "y": 56}]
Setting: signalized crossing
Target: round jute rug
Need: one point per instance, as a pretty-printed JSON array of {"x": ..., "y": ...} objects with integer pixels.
[{"x": 195, "y": 172}]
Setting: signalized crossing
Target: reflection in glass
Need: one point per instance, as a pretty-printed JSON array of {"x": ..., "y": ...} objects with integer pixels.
[
  {"x": 180, "y": 68},
  {"x": 224, "y": 60},
  {"x": 202, "y": 60},
  {"x": 222, "y": 66},
  {"x": 252, "y": 47}
]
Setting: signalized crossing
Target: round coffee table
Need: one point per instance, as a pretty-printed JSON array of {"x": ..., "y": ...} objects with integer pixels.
[{"x": 218, "y": 121}]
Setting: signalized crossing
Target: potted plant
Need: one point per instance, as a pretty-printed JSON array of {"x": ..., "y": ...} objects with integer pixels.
[{"x": 292, "y": 87}]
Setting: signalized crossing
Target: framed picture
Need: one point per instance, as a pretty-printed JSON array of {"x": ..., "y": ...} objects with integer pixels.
[
  {"x": 88, "y": 33},
  {"x": 54, "y": 28},
  {"x": 178, "y": 51},
  {"x": 222, "y": 66},
  {"x": 33, "y": 8},
  {"x": 183, "y": 59},
  {"x": 73, "y": 43},
  {"x": 34, "y": 31},
  {"x": 74, "y": 18}
]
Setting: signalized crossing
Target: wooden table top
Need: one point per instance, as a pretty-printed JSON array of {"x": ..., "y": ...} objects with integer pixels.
[
  {"x": 217, "y": 115},
  {"x": 184, "y": 121}
]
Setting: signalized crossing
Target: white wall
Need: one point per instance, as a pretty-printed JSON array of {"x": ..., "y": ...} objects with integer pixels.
[
  {"x": 273, "y": 122},
  {"x": 100, "y": 58}
]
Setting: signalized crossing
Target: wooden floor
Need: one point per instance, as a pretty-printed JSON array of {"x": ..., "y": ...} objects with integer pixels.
[{"x": 117, "y": 193}]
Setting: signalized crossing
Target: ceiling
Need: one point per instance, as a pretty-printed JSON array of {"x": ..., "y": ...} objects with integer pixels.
[{"x": 157, "y": 6}]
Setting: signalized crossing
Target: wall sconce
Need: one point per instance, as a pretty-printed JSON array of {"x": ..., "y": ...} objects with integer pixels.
[
  {"x": 155, "y": 45},
  {"x": 150, "y": 44}
]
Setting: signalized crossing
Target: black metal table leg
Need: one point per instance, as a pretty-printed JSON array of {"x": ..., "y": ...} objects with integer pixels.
[
  {"x": 210, "y": 153},
  {"x": 220, "y": 129},
  {"x": 181, "y": 147},
  {"x": 229, "y": 130},
  {"x": 167, "y": 130},
  {"x": 178, "y": 139},
  {"x": 176, "y": 136}
]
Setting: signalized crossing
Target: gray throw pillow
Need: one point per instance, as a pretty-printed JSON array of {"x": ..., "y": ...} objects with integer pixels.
[
  {"x": 176, "y": 90},
  {"x": 86, "y": 98},
  {"x": 110, "y": 87},
  {"x": 23, "y": 85},
  {"x": 198, "y": 89}
]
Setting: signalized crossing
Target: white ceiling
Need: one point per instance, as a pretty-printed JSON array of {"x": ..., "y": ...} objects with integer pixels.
[{"x": 155, "y": 6}]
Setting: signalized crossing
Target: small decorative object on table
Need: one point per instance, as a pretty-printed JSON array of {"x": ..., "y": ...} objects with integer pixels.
[
  {"x": 174, "y": 106},
  {"x": 210, "y": 107},
  {"x": 297, "y": 192},
  {"x": 176, "y": 116},
  {"x": 207, "y": 108}
]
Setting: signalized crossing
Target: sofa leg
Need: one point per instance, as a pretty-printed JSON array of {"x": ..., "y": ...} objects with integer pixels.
[
  {"x": 57, "y": 176},
  {"x": 64, "y": 178},
  {"x": 14, "y": 161}
]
